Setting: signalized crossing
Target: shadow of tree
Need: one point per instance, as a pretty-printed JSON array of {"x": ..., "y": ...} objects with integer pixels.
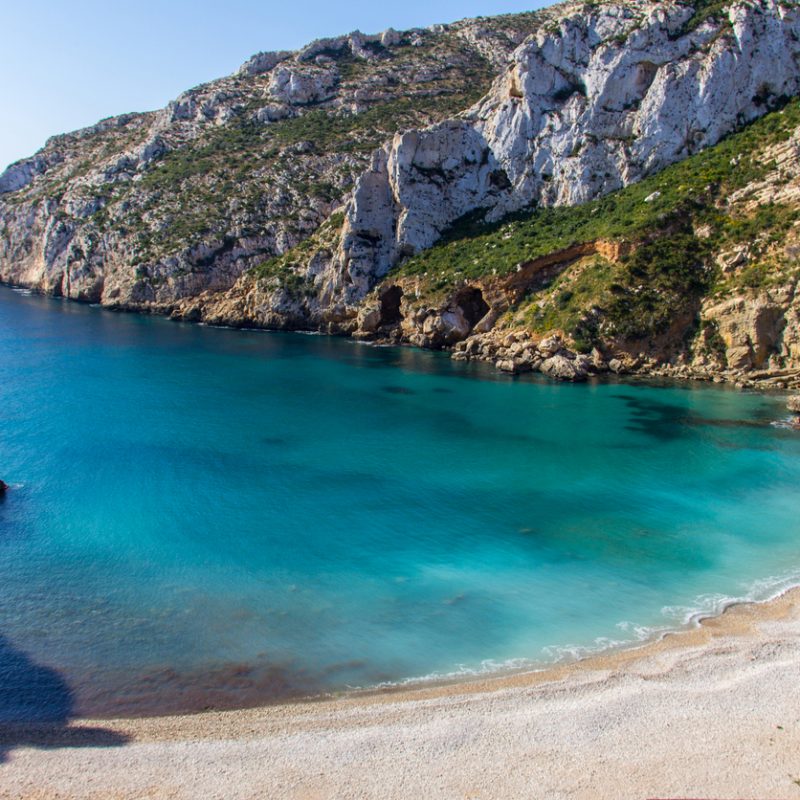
[{"x": 36, "y": 707}]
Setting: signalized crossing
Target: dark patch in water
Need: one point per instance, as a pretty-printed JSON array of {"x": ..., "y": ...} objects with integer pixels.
[
  {"x": 37, "y": 705},
  {"x": 398, "y": 390},
  {"x": 274, "y": 441},
  {"x": 463, "y": 427},
  {"x": 660, "y": 420},
  {"x": 168, "y": 690},
  {"x": 441, "y": 390},
  {"x": 456, "y": 599},
  {"x": 696, "y": 421},
  {"x": 665, "y": 421},
  {"x": 356, "y": 665}
]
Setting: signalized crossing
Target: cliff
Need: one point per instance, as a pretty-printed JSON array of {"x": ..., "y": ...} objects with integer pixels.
[{"x": 491, "y": 183}]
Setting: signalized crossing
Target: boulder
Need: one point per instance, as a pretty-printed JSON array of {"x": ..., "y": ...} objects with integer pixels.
[
  {"x": 446, "y": 327},
  {"x": 273, "y": 113},
  {"x": 793, "y": 404},
  {"x": 369, "y": 319},
  {"x": 297, "y": 86},
  {"x": 616, "y": 366},
  {"x": 751, "y": 330},
  {"x": 390, "y": 38},
  {"x": 563, "y": 368},
  {"x": 598, "y": 362},
  {"x": 513, "y": 366},
  {"x": 550, "y": 346},
  {"x": 263, "y": 62}
]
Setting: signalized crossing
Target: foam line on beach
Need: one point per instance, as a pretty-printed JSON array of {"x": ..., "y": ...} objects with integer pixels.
[{"x": 681, "y": 618}]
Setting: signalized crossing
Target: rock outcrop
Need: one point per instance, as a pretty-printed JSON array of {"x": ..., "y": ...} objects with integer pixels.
[
  {"x": 283, "y": 195},
  {"x": 599, "y": 101}
]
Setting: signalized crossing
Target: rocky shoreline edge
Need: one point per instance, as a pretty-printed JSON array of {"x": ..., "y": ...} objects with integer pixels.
[
  {"x": 518, "y": 352},
  {"x": 510, "y": 351}
]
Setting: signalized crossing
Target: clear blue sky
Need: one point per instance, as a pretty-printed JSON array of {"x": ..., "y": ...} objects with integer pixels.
[{"x": 64, "y": 65}]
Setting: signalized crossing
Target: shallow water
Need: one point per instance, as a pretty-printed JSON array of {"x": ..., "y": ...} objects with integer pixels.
[{"x": 204, "y": 517}]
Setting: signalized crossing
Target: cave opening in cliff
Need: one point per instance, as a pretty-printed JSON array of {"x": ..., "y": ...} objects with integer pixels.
[
  {"x": 472, "y": 305},
  {"x": 390, "y": 306}
]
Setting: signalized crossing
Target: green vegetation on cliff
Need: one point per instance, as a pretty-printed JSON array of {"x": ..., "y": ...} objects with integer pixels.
[
  {"x": 678, "y": 218},
  {"x": 286, "y": 271},
  {"x": 705, "y": 10}
]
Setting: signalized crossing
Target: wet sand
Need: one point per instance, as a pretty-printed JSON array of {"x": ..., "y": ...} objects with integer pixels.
[{"x": 709, "y": 712}]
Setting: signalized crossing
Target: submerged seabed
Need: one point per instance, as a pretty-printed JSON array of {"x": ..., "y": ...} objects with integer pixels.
[{"x": 212, "y": 518}]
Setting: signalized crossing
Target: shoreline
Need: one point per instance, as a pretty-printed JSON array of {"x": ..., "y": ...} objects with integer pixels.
[
  {"x": 712, "y": 710},
  {"x": 778, "y": 381},
  {"x": 734, "y": 618}
]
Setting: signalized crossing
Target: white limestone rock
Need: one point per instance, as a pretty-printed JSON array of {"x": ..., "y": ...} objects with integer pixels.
[
  {"x": 274, "y": 112},
  {"x": 263, "y": 62},
  {"x": 608, "y": 99},
  {"x": 22, "y": 173},
  {"x": 564, "y": 368},
  {"x": 298, "y": 86}
]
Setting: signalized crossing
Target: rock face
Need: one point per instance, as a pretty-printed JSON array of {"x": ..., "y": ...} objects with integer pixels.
[
  {"x": 753, "y": 328},
  {"x": 586, "y": 107},
  {"x": 282, "y": 195},
  {"x": 145, "y": 211}
]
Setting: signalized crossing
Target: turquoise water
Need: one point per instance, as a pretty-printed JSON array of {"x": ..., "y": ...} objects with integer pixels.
[{"x": 203, "y": 517}]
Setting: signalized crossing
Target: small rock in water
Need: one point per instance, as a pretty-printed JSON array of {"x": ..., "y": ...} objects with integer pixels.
[
  {"x": 793, "y": 404},
  {"x": 452, "y": 601},
  {"x": 615, "y": 365},
  {"x": 3, "y": 488},
  {"x": 398, "y": 390},
  {"x": 564, "y": 368}
]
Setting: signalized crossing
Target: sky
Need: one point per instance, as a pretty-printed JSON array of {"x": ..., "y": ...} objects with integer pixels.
[{"x": 65, "y": 65}]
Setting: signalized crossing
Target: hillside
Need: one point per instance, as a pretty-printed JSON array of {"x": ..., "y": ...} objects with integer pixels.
[{"x": 617, "y": 179}]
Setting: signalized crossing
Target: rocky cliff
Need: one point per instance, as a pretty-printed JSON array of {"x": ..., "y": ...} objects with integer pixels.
[{"x": 481, "y": 185}]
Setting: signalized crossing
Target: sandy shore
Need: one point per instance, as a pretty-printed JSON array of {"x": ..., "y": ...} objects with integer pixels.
[{"x": 710, "y": 712}]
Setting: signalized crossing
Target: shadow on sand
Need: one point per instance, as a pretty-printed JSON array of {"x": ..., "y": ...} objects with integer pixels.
[{"x": 36, "y": 708}]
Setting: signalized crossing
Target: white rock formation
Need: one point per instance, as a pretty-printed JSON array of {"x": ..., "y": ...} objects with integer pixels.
[{"x": 595, "y": 104}]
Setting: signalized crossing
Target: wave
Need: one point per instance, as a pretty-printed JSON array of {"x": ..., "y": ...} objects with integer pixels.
[
  {"x": 487, "y": 667},
  {"x": 712, "y": 605},
  {"x": 678, "y": 618},
  {"x": 787, "y": 423}
]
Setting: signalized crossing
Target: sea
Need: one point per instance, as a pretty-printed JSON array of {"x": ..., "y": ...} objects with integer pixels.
[{"x": 213, "y": 518}]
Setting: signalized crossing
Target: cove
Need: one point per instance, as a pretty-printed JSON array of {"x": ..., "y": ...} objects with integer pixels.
[{"x": 203, "y": 518}]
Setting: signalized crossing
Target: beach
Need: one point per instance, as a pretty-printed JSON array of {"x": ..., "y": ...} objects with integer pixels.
[{"x": 713, "y": 711}]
